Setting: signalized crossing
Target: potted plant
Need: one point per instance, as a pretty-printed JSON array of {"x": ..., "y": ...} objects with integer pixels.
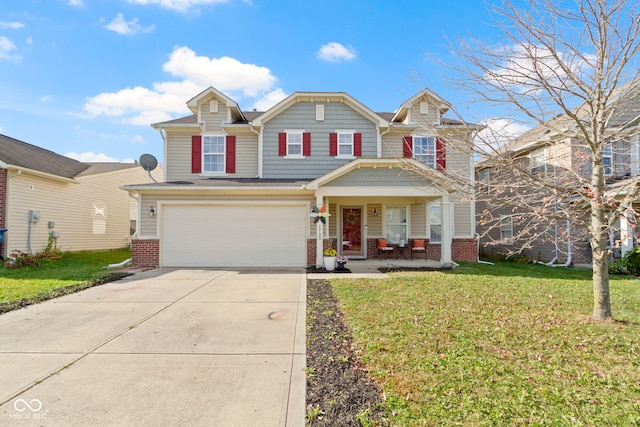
[
  {"x": 341, "y": 261},
  {"x": 330, "y": 259}
]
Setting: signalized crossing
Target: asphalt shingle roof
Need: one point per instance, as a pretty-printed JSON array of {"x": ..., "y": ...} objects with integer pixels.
[{"x": 19, "y": 153}]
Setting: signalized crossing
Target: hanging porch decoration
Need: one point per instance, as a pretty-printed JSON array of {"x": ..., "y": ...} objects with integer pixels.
[{"x": 319, "y": 214}]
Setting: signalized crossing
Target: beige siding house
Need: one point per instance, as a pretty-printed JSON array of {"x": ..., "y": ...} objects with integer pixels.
[
  {"x": 245, "y": 188},
  {"x": 81, "y": 204}
]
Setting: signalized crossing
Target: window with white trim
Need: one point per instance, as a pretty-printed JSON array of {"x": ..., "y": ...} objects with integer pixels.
[
  {"x": 607, "y": 160},
  {"x": 506, "y": 229},
  {"x": 435, "y": 223},
  {"x": 538, "y": 162},
  {"x": 345, "y": 143},
  {"x": 396, "y": 224},
  {"x": 483, "y": 179},
  {"x": 294, "y": 143},
  {"x": 424, "y": 150},
  {"x": 213, "y": 153}
]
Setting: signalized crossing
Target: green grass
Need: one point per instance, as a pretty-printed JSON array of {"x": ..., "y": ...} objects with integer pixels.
[
  {"x": 498, "y": 345},
  {"x": 74, "y": 268}
]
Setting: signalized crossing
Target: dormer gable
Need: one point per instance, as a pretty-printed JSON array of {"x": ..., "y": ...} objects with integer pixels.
[
  {"x": 320, "y": 98},
  {"x": 425, "y": 105},
  {"x": 212, "y": 100}
]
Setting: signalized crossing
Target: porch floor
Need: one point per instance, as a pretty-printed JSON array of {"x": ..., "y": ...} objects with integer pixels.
[{"x": 370, "y": 267}]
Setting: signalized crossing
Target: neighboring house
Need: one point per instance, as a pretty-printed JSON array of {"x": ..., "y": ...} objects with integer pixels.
[
  {"x": 240, "y": 187},
  {"x": 550, "y": 152},
  {"x": 42, "y": 192}
]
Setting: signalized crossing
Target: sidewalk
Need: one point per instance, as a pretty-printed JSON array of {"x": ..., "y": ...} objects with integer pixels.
[{"x": 164, "y": 347}]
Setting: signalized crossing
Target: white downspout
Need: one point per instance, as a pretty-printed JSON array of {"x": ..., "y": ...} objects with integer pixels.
[{"x": 259, "y": 150}]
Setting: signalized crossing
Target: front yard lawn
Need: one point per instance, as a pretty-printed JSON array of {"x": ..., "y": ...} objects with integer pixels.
[
  {"x": 497, "y": 345},
  {"x": 24, "y": 285}
]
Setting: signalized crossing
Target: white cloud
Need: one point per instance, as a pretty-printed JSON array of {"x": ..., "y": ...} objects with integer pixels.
[
  {"x": 91, "y": 157},
  {"x": 498, "y": 132},
  {"x": 76, "y": 3},
  {"x": 269, "y": 100},
  {"x": 127, "y": 28},
  {"x": 335, "y": 52},
  {"x": 178, "y": 5},
  {"x": 143, "y": 106},
  {"x": 7, "y": 46},
  {"x": 11, "y": 25},
  {"x": 45, "y": 98}
]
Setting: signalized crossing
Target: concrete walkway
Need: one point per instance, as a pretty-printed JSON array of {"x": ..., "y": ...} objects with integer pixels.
[{"x": 161, "y": 348}]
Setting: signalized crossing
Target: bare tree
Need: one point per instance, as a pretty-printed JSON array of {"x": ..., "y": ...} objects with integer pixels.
[{"x": 570, "y": 69}]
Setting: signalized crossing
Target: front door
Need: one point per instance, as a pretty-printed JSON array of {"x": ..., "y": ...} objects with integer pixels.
[{"x": 352, "y": 232}]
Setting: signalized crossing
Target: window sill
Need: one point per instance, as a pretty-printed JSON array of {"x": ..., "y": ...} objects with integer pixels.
[
  {"x": 295, "y": 157},
  {"x": 212, "y": 174},
  {"x": 345, "y": 157}
]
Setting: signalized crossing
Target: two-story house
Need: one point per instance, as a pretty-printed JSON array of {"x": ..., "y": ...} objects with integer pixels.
[
  {"x": 535, "y": 203},
  {"x": 243, "y": 188}
]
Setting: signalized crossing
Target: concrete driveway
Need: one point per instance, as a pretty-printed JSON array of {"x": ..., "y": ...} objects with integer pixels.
[{"x": 165, "y": 347}]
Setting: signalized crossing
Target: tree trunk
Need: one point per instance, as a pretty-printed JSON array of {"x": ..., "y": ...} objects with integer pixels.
[{"x": 600, "y": 237}]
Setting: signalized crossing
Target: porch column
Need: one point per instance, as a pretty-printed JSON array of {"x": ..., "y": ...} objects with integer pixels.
[
  {"x": 626, "y": 234},
  {"x": 319, "y": 237},
  {"x": 445, "y": 253}
]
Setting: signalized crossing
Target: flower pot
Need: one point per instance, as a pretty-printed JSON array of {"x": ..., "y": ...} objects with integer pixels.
[
  {"x": 340, "y": 266},
  {"x": 329, "y": 263}
]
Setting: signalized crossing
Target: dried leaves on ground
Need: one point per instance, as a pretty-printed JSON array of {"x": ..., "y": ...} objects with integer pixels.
[{"x": 339, "y": 391}]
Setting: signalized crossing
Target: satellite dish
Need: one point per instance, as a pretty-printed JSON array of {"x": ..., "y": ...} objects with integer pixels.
[{"x": 148, "y": 163}]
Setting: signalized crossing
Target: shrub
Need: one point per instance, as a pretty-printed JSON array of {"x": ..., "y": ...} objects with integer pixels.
[
  {"x": 618, "y": 266},
  {"x": 632, "y": 261}
]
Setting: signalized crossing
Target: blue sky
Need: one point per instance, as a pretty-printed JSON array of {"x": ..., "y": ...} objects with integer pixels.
[{"x": 86, "y": 78}]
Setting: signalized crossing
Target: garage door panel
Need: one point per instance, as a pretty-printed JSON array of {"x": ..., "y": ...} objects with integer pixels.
[{"x": 234, "y": 236}]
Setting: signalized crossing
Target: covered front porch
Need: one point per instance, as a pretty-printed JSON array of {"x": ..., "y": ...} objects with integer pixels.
[{"x": 377, "y": 209}]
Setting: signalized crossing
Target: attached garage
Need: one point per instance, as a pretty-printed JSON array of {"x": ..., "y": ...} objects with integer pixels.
[{"x": 244, "y": 235}]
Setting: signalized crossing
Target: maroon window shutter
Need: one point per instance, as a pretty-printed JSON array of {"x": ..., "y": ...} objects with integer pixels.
[
  {"x": 441, "y": 155},
  {"x": 196, "y": 154},
  {"x": 306, "y": 144},
  {"x": 230, "y": 167},
  {"x": 407, "y": 146},
  {"x": 282, "y": 144},
  {"x": 357, "y": 144},
  {"x": 333, "y": 144}
]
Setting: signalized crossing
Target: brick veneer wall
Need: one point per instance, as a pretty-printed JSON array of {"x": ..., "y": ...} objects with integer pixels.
[
  {"x": 464, "y": 250},
  {"x": 311, "y": 249},
  {"x": 3, "y": 204},
  {"x": 146, "y": 253}
]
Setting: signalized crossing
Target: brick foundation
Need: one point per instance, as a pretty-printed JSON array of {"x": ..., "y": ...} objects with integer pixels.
[
  {"x": 464, "y": 250},
  {"x": 461, "y": 250},
  {"x": 145, "y": 253}
]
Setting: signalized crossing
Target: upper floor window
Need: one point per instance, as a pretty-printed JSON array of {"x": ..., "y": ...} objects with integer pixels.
[
  {"x": 538, "y": 162},
  {"x": 213, "y": 153},
  {"x": 345, "y": 143},
  {"x": 607, "y": 160},
  {"x": 294, "y": 143},
  {"x": 396, "y": 224},
  {"x": 424, "y": 150},
  {"x": 483, "y": 179}
]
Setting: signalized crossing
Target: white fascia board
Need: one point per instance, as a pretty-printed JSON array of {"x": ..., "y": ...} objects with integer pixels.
[
  {"x": 379, "y": 191},
  {"x": 22, "y": 169}
]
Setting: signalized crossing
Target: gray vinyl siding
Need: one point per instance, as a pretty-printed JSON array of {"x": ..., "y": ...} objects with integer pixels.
[
  {"x": 462, "y": 219},
  {"x": 302, "y": 115},
  {"x": 364, "y": 177}
]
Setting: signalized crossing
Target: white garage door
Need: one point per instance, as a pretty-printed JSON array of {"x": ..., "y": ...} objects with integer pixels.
[{"x": 233, "y": 236}]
